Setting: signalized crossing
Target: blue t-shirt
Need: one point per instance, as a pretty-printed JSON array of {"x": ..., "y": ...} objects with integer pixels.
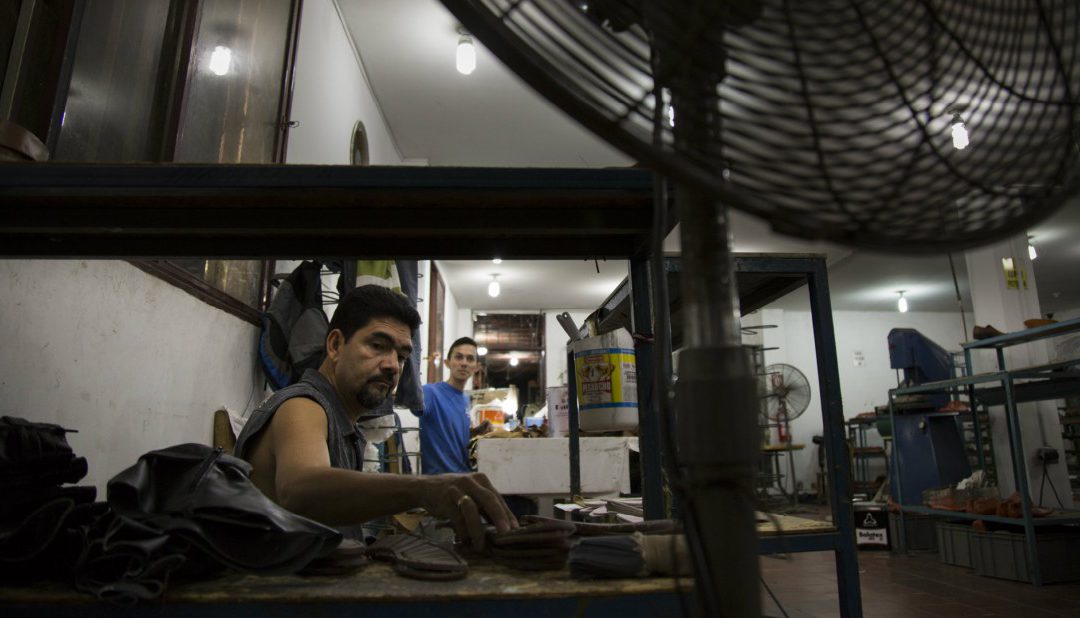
[{"x": 444, "y": 430}]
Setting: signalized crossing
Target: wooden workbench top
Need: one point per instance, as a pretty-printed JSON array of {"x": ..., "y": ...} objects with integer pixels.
[{"x": 377, "y": 582}]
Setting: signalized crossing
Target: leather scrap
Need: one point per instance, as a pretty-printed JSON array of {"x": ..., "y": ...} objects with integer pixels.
[{"x": 542, "y": 545}]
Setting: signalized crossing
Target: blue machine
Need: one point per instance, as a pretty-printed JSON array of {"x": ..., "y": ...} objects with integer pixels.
[
  {"x": 927, "y": 443},
  {"x": 921, "y": 359}
]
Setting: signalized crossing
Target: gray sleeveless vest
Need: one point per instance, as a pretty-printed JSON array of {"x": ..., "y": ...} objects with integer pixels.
[{"x": 343, "y": 440}]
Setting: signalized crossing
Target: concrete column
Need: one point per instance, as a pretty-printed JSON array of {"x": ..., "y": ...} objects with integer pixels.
[{"x": 1004, "y": 302}]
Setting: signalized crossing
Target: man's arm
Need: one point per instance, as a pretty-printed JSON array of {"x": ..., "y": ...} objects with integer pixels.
[
  {"x": 480, "y": 429},
  {"x": 306, "y": 484}
]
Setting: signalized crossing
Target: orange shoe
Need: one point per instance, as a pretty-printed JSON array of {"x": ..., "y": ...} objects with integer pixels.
[{"x": 955, "y": 406}]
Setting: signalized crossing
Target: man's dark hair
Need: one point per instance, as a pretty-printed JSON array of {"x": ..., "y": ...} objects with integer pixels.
[
  {"x": 460, "y": 341},
  {"x": 367, "y": 302}
]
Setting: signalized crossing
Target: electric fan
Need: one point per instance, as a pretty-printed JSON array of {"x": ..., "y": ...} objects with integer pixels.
[
  {"x": 787, "y": 396},
  {"x": 911, "y": 125}
]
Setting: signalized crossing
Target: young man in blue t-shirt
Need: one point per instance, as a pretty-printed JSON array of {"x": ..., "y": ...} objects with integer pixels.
[{"x": 444, "y": 421}]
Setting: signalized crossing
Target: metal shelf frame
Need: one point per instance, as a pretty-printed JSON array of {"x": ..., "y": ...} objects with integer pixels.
[
  {"x": 761, "y": 279},
  {"x": 1051, "y": 385},
  {"x": 163, "y": 211}
]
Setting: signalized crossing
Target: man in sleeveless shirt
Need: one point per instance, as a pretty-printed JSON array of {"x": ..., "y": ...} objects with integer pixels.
[{"x": 303, "y": 442}]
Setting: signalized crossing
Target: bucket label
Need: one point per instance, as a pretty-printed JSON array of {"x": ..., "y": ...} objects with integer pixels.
[{"x": 606, "y": 378}]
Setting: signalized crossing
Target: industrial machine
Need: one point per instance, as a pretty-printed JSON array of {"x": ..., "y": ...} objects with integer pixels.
[{"x": 927, "y": 441}]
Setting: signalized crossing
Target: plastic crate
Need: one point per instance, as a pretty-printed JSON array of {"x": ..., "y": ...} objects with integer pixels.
[
  {"x": 1003, "y": 555},
  {"x": 954, "y": 543},
  {"x": 919, "y": 532}
]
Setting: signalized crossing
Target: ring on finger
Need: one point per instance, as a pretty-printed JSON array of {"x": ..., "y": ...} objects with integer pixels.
[{"x": 462, "y": 500}]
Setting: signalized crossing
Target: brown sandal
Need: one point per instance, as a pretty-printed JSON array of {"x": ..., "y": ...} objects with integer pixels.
[{"x": 419, "y": 558}]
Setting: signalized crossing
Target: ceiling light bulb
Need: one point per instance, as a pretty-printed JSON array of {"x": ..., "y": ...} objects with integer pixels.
[
  {"x": 959, "y": 133},
  {"x": 514, "y": 361},
  {"x": 481, "y": 351},
  {"x": 1032, "y": 254},
  {"x": 493, "y": 287},
  {"x": 901, "y": 304},
  {"x": 496, "y": 261},
  {"x": 466, "y": 55},
  {"x": 220, "y": 59}
]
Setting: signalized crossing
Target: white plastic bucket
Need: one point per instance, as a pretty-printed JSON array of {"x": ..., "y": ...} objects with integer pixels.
[{"x": 605, "y": 371}]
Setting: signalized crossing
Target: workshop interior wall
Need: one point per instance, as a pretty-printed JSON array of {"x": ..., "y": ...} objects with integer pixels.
[
  {"x": 555, "y": 341},
  {"x": 326, "y": 59},
  {"x": 131, "y": 362},
  {"x": 859, "y": 335}
]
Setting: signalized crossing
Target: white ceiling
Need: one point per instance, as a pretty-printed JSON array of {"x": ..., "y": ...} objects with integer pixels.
[{"x": 490, "y": 118}]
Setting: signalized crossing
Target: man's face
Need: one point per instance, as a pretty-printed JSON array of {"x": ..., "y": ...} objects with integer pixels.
[
  {"x": 463, "y": 362},
  {"x": 369, "y": 364}
]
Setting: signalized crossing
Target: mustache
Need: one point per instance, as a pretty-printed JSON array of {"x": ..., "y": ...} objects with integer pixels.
[{"x": 387, "y": 379}]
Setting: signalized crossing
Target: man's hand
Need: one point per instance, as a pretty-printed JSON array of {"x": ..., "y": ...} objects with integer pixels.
[
  {"x": 480, "y": 429},
  {"x": 462, "y": 498}
]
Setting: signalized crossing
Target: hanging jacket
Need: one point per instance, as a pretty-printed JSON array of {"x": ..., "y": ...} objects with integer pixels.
[{"x": 294, "y": 328}]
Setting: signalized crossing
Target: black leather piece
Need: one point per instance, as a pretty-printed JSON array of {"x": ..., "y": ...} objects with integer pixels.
[
  {"x": 205, "y": 497},
  {"x": 19, "y": 504},
  {"x": 34, "y": 533},
  {"x": 36, "y": 455}
]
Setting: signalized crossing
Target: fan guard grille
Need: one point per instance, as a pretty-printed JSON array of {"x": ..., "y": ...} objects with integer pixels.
[
  {"x": 835, "y": 116},
  {"x": 786, "y": 385}
]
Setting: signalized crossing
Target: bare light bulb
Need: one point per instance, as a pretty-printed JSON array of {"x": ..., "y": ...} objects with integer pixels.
[
  {"x": 1032, "y": 254},
  {"x": 493, "y": 287},
  {"x": 466, "y": 55},
  {"x": 496, "y": 260},
  {"x": 481, "y": 351},
  {"x": 959, "y": 133},
  {"x": 514, "y": 361},
  {"x": 901, "y": 305},
  {"x": 220, "y": 60}
]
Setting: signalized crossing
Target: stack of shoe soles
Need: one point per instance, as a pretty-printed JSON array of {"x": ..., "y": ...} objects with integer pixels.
[
  {"x": 39, "y": 515},
  {"x": 419, "y": 557},
  {"x": 538, "y": 546}
]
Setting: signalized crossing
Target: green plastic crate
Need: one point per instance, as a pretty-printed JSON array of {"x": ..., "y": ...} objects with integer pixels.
[
  {"x": 954, "y": 543},
  {"x": 1003, "y": 555},
  {"x": 919, "y": 532}
]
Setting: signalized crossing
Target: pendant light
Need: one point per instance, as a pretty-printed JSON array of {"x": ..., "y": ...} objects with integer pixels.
[{"x": 466, "y": 53}]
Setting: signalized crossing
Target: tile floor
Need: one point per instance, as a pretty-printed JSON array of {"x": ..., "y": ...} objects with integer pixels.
[{"x": 913, "y": 585}]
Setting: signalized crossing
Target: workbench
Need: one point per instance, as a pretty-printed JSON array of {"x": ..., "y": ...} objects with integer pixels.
[
  {"x": 373, "y": 592},
  {"x": 377, "y": 590}
]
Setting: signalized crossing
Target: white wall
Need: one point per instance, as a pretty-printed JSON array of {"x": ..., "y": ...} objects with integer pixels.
[
  {"x": 862, "y": 387},
  {"x": 331, "y": 93},
  {"x": 131, "y": 362},
  {"x": 555, "y": 340}
]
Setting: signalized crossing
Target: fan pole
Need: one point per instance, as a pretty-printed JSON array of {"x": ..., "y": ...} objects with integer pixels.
[{"x": 716, "y": 408}]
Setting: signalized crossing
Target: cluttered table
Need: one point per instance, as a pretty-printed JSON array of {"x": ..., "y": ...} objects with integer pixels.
[
  {"x": 374, "y": 591},
  {"x": 377, "y": 590}
]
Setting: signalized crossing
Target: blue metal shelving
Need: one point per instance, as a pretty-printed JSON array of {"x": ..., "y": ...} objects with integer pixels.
[{"x": 1048, "y": 381}]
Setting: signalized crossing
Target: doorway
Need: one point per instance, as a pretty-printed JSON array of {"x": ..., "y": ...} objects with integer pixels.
[{"x": 515, "y": 355}]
